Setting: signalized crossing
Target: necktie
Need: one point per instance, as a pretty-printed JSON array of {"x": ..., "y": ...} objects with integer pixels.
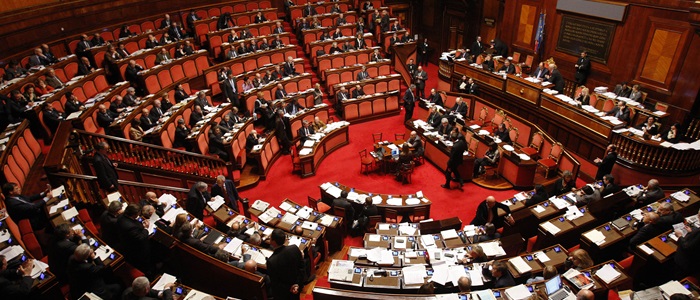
[
  {"x": 306, "y": 131},
  {"x": 233, "y": 85}
]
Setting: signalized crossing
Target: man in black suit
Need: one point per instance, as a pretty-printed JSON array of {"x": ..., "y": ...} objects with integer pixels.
[
  {"x": 434, "y": 117},
  {"x": 285, "y": 267},
  {"x": 472, "y": 88},
  {"x": 276, "y": 43},
  {"x": 108, "y": 224},
  {"x": 487, "y": 212},
  {"x": 609, "y": 186},
  {"x": 360, "y": 42},
  {"x": 191, "y": 18},
  {"x": 278, "y": 28},
  {"x": 104, "y": 117},
  {"x": 384, "y": 21},
  {"x": 140, "y": 289},
  {"x": 105, "y": 169},
  {"x": 668, "y": 216},
  {"x": 216, "y": 142},
  {"x": 87, "y": 273},
  {"x": 22, "y": 207},
  {"x": 499, "y": 48},
  {"x": 583, "y": 66},
  {"x": 435, "y": 98},
  {"x": 166, "y": 22},
  {"x": 541, "y": 72},
  {"x": 38, "y": 59},
  {"x": 97, "y": 40},
  {"x": 498, "y": 275},
  {"x": 444, "y": 128},
  {"x": 152, "y": 42},
  {"x": 16, "y": 283},
  {"x": 83, "y": 47},
  {"x": 620, "y": 111},
  {"x": 289, "y": 69},
  {"x": 362, "y": 75},
  {"x": 357, "y": 92},
  {"x": 409, "y": 102},
  {"x": 176, "y": 32},
  {"x": 131, "y": 74},
  {"x": 85, "y": 67},
  {"x": 62, "y": 247},
  {"x": 197, "y": 199},
  {"x": 304, "y": 131},
  {"x": 460, "y": 108},
  {"x": 647, "y": 229},
  {"x": 281, "y": 131},
  {"x": 456, "y": 158},
  {"x": 688, "y": 248},
  {"x": 477, "y": 47},
  {"x": 341, "y": 96},
  {"x": 309, "y": 10},
  {"x": 160, "y": 107},
  {"x": 251, "y": 140},
  {"x": 507, "y": 67},
  {"x": 133, "y": 238},
  {"x": 146, "y": 119},
  {"x": 51, "y": 116},
  {"x": 280, "y": 93},
  {"x": 622, "y": 90},
  {"x": 181, "y": 133},
  {"x": 416, "y": 144},
  {"x": 423, "y": 52},
  {"x": 419, "y": 78},
  {"x": 293, "y": 107},
  {"x": 651, "y": 193},
  {"x": 555, "y": 78},
  {"x": 606, "y": 164},
  {"x": 227, "y": 190}
]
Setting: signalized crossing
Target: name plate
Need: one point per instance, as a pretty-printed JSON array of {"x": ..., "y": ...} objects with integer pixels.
[{"x": 584, "y": 34}]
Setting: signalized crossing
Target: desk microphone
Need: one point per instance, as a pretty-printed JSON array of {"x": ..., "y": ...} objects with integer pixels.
[{"x": 380, "y": 272}]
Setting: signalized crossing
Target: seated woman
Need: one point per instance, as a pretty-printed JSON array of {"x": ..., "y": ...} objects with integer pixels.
[
  {"x": 565, "y": 184},
  {"x": 318, "y": 125},
  {"x": 672, "y": 135},
  {"x": 42, "y": 88},
  {"x": 583, "y": 98},
  {"x": 405, "y": 159},
  {"x": 247, "y": 84},
  {"x": 579, "y": 260},
  {"x": 649, "y": 127},
  {"x": 475, "y": 255},
  {"x": 490, "y": 159},
  {"x": 136, "y": 132}
]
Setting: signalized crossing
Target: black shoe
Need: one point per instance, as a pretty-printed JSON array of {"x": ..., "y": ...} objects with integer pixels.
[{"x": 445, "y": 186}]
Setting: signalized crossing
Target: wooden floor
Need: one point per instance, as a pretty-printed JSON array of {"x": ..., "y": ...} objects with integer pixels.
[{"x": 249, "y": 177}]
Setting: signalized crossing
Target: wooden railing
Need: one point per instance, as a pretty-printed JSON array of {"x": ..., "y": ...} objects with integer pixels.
[{"x": 652, "y": 155}]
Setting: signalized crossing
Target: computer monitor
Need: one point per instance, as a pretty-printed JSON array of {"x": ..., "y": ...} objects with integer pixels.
[
  {"x": 395, "y": 152},
  {"x": 553, "y": 285}
]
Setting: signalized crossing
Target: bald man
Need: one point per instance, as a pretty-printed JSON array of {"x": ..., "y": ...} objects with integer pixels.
[
  {"x": 465, "y": 284},
  {"x": 649, "y": 229},
  {"x": 585, "y": 295},
  {"x": 487, "y": 212},
  {"x": 152, "y": 199}
]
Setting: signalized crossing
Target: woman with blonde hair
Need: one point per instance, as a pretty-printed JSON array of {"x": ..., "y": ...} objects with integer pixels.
[{"x": 579, "y": 259}]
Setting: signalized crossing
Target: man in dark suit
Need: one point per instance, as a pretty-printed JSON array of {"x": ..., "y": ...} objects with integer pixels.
[
  {"x": 197, "y": 199},
  {"x": 293, "y": 107},
  {"x": 423, "y": 52},
  {"x": 499, "y": 48},
  {"x": 620, "y": 111},
  {"x": 409, "y": 102},
  {"x": 499, "y": 275},
  {"x": 456, "y": 158},
  {"x": 477, "y": 47},
  {"x": 108, "y": 224},
  {"x": 251, "y": 140},
  {"x": 227, "y": 190},
  {"x": 444, "y": 128},
  {"x": 435, "y": 98},
  {"x": 289, "y": 69},
  {"x": 487, "y": 212},
  {"x": 541, "y": 72},
  {"x": 622, "y": 90},
  {"x": 419, "y": 78},
  {"x": 285, "y": 267},
  {"x": 587, "y": 195},
  {"x": 651, "y": 193},
  {"x": 166, "y": 22},
  {"x": 216, "y": 142},
  {"x": 309, "y": 10},
  {"x": 152, "y": 42},
  {"x": 191, "y": 18},
  {"x": 507, "y": 67},
  {"x": 278, "y": 28},
  {"x": 140, "y": 289},
  {"x": 609, "y": 186},
  {"x": 362, "y": 75},
  {"x": 176, "y": 32},
  {"x": 38, "y": 59},
  {"x": 688, "y": 248},
  {"x": 281, "y": 131},
  {"x": 87, "y": 273},
  {"x": 384, "y": 21},
  {"x": 555, "y": 78},
  {"x": 416, "y": 144},
  {"x": 668, "y": 216},
  {"x": 411, "y": 67},
  {"x": 22, "y": 207},
  {"x": 131, "y": 74},
  {"x": 357, "y": 92},
  {"x": 97, "y": 40},
  {"x": 51, "y": 116},
  {"x": 133, "y": 238},
  {"x": 85, "y": 67},
  {"x": 583, "y": 66},
  {"x": 304, "y": 131},
  {"x": 341, "y": 96},
  {"x": 62, "y": 247},
  {"x": 606, "y": 164},
  {"x": 181, "y": 133},
  {"x": 434, "y": 117},
  {"x": 105, "y": 169},
  {"x": 280, "y": 93},
  {"x": 359, "y": 42},
  {"x": 459, "y": 108},
  {"x": 647, "y": 229},
  {"x": 16, "y": 283},
  {"x": 472, "y": 88}
]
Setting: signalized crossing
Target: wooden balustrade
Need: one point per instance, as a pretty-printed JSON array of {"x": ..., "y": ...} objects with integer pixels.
[{"x": 649, "y": 154}]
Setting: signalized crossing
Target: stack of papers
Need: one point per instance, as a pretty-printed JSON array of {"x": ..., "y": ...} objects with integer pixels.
[
  {"x": 550, "y": 227},
  {"x": 394, "y": 201},
  {"x": 674, "y": 287},
  {"x": 449, "y": 234},
  {"x": 289, "y": 218},
  {"x": 233, "y": 246},
  {"x": 493, "y": 249},
  {"x": 406, "y": 229},
  {"x": 414, "y": 274},
  {"x": 377, "y": 200},
  {"x": 520, "y": 265},
  {"x": 541, "y": 256},
  {"x": 341, "y": 270},
  {"x": 216, "y": 203},
  {"x": 580, "y": 280},
  {"x": 164, "y": 279},
  {"x": 380, "y": 256},
  {"x": 326, "y": 220},
  {"x": 607, "y": 273},
  {"x": 260, "y": 205},
  {"x": 58, "y": 205},
  {"x": 518, "y": 292},
  {"x": 428, "y": 241},
  {"x": 680, "y": 196},
  {"x": 70, "y": 213},
  {"x": 595, "y": 236}
]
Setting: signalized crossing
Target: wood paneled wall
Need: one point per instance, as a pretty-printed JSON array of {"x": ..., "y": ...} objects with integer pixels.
[
  {"x": 655, "y": 46},
  {"x": 11, "y": 5}
]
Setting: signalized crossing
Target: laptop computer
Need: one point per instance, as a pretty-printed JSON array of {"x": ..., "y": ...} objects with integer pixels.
[
  {"x": 395, "y": 153},
  {"x": 558, "y": 291}
]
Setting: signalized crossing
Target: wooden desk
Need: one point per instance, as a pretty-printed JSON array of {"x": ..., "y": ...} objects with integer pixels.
[
  {"x": 569, "y": 230},
  {"x": 371, "y": 107},
  {"x": 326, "y": 45},
  {"x": 17, "y": 84},
  {"x": 403, "y": 208},
  {"x": 438, "y": 153},
  {"x": 584, "y": 120},
  {"x": 481, "y": 76},
  {"x": 326, "y": 145},
  {"x": 523, "y": 89},
  {"x": 601, "y": 288},
  {"x": 557, "y": 257}
]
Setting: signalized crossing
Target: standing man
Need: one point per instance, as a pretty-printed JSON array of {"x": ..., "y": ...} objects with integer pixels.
[
  {"x": 409, "y": 102},
  {"x": 105, "y": 169},
  {"x": 227, "y": 190},
  {"x": 555, "y": 78},
  {"x": 281, "y": 129},
  {"x": 197, "y": 199},
  {"x": 285, "y": 267},
  {"x": 456, "y": 158},
  {"x": 606, "y": 164},
  {"x": 423, "y": 53},
  {"x": 477, "y": 47},
  {"x": 230, "y": 89},
  {"x": 419, "y": 78},
  {"x": 583, "y": 66}
]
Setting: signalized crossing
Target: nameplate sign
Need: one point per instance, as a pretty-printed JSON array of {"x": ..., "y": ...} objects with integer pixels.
[{"x": 584, "y": 34}]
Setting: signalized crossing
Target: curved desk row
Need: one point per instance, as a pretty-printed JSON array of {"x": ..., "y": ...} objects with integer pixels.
[
  {"x": 371, "y": 107},
  {"x": 403, "y": 204},
  {"x": 332, "y": 139}
]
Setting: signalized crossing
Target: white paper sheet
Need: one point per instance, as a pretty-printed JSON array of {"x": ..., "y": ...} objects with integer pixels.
[{"x": 164, "y": 279}]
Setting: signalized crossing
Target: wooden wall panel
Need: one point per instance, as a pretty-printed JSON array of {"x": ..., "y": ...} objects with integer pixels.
[
  {"x": 526, "y": 26},
  {"x": 10, "y": 5},
  {"x": 664, "y": 53}
]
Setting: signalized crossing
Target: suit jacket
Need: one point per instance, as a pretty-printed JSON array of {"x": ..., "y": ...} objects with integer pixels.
[
  {"x": 196, "y": 202},
  {"x": 23, "y": 207},
  {"x": 161, "y": 57},
  {"x": 584, "y": 65},
  {"x": 104, "y": 119},
  {"x": 645, "y": 233},
  {"x": 609, "y": 189},
  {"x": 409, "y": 100},
  {"x": 36, "y": 60},
  {"x": 286, "y": 268},
  {"x": 176, "y": 33},
  {"x": 147, "y": 122},
  {"x": 131, "y": 74},
  {"x": 686, "y": 253},
  {"x": 133, "y": 238},
  {"x": 181, "y": 137},
  {"x": 362, "y": 75},
  {"x": 444, "y": 129},
  {"x": 477, "y": 48},
  {"x": 52, "y": 119},
  {"x": 650, "y": 196},
  {"x": 666, "y": 222},
  {"x": 624, "y": 116},
  {"x": 482, "y": 214},
  {"x": 309, "y": 11},
  {"x": 508, "y": 69},
  {"x": 293, "y": 107},
  {"x": 456, "y": 153},
  {"x": 342, "y": 96},
  {"x": 231, "y": 193},
  {"x": 434, "y": 119},
  {"x": 560, "y": 188},
  {"x": 488, "y": 65},
  {"x": 59, "y": 253},
  {"x": 195, "y": 118},
  {"x": 289, "y": 69},
  {"x": 303, "y": 135},
  {"x": 606, "y": 165},
  {"x": 585, "y": 199},
  {"x": 84, "y": 69},
  {"x": 165, "y": 24},
  {"x": 416, "y": 144},
  {"x": 460, "y": 109},
  {"x": 280, "y": 94},
  {"x": 557, "y": 80},
  {"x": 109, "y": 229},
  {"x": 250, "y": 142},
  {"x": 104, "y": 170},
  {"x": 199, "y": 245},
  {"x": 540, "y": 73},
  {"x": 87, "y": 276},
  {"x": 231, "y": 91},
  {"x": 506, "y": 280},
  {"x": 53, "y": 82},
  {"x": 278, "y": 30},
  {"x": 14, "y": 286},
  {"x": 436, "y": 99},
  {"x": 472, "y": 89},
  {"x": 419, "y": 78},
  {"x": 357, "y": 93},
  {"x": 636, "y": 96},
  {"x": 360, "y": 44},
  {"x": 150, "y": 44}
]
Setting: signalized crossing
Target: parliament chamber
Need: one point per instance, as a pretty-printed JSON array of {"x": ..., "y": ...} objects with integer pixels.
[{"x": 173, "y": 143}]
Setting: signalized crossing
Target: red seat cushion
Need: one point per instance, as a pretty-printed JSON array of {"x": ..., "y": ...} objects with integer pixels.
[
  {"x": 548, "y": 162},
  {"x": 322, "y": 207},
  {"x": 529, "y": 151}
]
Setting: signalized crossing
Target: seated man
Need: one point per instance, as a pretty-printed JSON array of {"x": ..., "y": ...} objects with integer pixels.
[
  {"x": 65, "y": 240},
  {"x": 489, "y": 233},
  {"x": 498, "y": 275},
  {"x": 22, "y": 207},
  {"x": 305, "y": 131},
  {"x": 487, "y": 212},
  {"x": 416, "y": 143},
  {"x": 587, "y": 195},
  {"x": 609, "y": 186},
  {"x": 444, "y": 129},
  {"x": 647, "y": 229},
  {"x": 490, "y": 159},
  {"x": 140, "y": 289},
  {"x": 651, "y": 193},
  {"x": 621, "y": 112},
  {"x": 16, "y": 283},
  {"x": 668, "y": 216},
  {"x": 87, "y": 273},
  {"x": 185, "y": 236},
  {"x": 343, "y": 202},
  {"x": 358, "y": 91},
  {"x": 460, "y": 108},
  {"x": 434, "y": 117}
]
